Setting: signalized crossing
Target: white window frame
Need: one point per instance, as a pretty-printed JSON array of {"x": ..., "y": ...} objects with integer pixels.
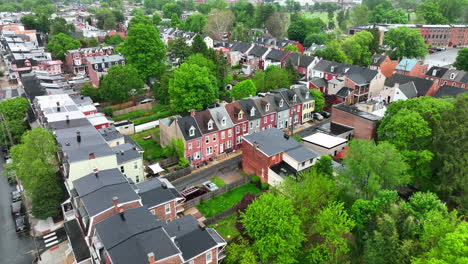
[
  {"x": 239, "y": 116},
  {"x": 196, "y": 155},
  {"x": 223, "y": 135},
  {"x": 223, "y": 122},
  {"x": 167, "y": 208},
  {"x": 244, "y": 127},
  {"x": 209, "y": 257},
  {"x": 135, "y": 165},
  {"x": 265, "y": 120},
  {"x": 251, "y": 125},
  {"x": 281, "y": 103},
  {"x": 252, "y": 111},
  {"x": 207, "y": 139},
  {"x": 267, "y": 108},
  {"x": 192, "y": 131},
  {"x": 210, "y": 125},
  {"x": 272, "y": 117},
  {"x": 189, "y": 146},
  {"x": 258, "y": 123},
  {"x": 209, "y": 150},
  {"x": 237, "y": 129},
  {"x": 229, "y": 133},
  {"x": 228, "y": 144},
  {"x": 214, "y": 137}
]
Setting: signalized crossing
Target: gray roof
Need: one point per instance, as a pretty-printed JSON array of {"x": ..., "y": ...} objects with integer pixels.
[
  {"x": 304, "y": 94},
  {"x": 377, "y": 59},
  {"x": 218, "y": 113},
  {"x": 153, "y": 193},
  {"x": 344, "y": 92},
  {"x": 91, "y": 49},
  {"x": 107, "y": 58},
  {"x": 288, "y": 95},
  {"x": 258, "y": 51},
  {"x": 247, "y": 105},
  {"x": 187, "y": 122},
  {"x": 357, "y": 112},
  {"x": 276, "y": 99},
  {"x": 126, "y": 152},
  {"x": 458, "y": 75},
  {"x": 96, "y": 192},
  {"x": 261, "y": 103},
  {"x": 241, "y": 47},
  {"x": 361, "y": 76},
  {"x": 281, "y": 144},
  {"x": 91, "y": 142},
  {"x": 447, "y": 90},
  {"x": 110, "y": 133},
  {"x": 77, "y": 240},
  {"x": 319, "y": 82},
  {"x": 129, "y": 237},
  {"x": 436, "y": 71},
  {"x": 409, "y": 90},
  {"x": 82, "y": 100},
  {"x": 422, "y": 85}
]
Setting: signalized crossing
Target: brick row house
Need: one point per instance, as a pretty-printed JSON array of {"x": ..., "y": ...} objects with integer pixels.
[
  {"x": 75, "y": 60},
  {"x": 445, "y": 76},
  {"x": 220, "y": 129},
  {"x": 99, "y": 65}
]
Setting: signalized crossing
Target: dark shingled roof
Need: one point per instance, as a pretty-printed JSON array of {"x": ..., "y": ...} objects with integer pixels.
[
  {"x": 241, "y": 47},
  {"x": 409, "y": 90},
  {"x": 153, "y": 192},
  {"x": 258, "y": 51},
  {"x": 129, "y": 237},
  {"x": 344, "y": 92},
  {"x": 357, "y": 112},
  {"x": 261, "y": 103},
  {"x": 276, "y": 98},
  {"x": 300, "y": 59},
  {"x": 276, "y": 55},
  {"x": 448, "y": 90},
  {"x": 422, "y": 85},
  {"x": 361, "y": 76},
  {"x": 202, "y": 118},
  {"x": 185, "y": 123},
  {"x": 439, "y": 72},
  {"x": 288, "y": 95},
  {"x": 233, "y": 110},
  {"x": 377, "y": 59},
  {"x": 77, "y": 240},
  {"x": 247, "y": 105}
]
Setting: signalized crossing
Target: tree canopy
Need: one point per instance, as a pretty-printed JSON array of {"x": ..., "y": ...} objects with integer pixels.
[
  {"x": 461, "y": 62},
  {"x": 319, "y": 99},
  {"x": 357, "y": 48},
  {"x": 273, "y": 78},
  {"x": 405, "y": 42},
  {"x": 333, "y": 52},
  {"x": 60, "y": 43},
  {"x": 120, "y": 83},
  {"x": 14, "y": 111},
  {"x": 244, "y": 89}
]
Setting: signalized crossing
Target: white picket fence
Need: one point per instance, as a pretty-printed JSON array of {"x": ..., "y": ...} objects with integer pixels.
[{"x": 146, "y": 126}]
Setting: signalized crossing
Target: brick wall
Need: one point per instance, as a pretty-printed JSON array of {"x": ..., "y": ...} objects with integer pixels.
[
  {"x": 160, "y": 211},
  {"x": 255, "y": 162},
  {"x": 202, "y": 258},
  {"x": 171, "y": 260},
  {"x": 363, "y": 128}
]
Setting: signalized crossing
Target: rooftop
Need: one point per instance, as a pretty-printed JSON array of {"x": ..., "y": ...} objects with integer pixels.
[{"x": 324, "y": 140}]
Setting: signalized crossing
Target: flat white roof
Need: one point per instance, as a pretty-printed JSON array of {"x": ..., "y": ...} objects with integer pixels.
[{"x": 325, "y": 140}]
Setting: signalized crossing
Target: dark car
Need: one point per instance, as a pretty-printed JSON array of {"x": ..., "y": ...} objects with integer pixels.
[
  {"x": 15, "y": 196},
  {"x": 325, "y": 114},
  {"x": 20, "y": 223},
  {"x": 317, "y": 116},
  {"x": 16, "y": 208}
]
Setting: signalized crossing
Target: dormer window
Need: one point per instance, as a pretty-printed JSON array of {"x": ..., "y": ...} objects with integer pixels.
[
  {"x": 307, "y": 96},
  {"x": 332, "y": 69},
  {"x": 434, "y": 72},
  {"x": 252, "y": 111},
  {"x": 192, "y": 131},
  {"x": 239, "y": 116},
  {"x": 295, "y": 97},
  {"x": 267, "y": 108},
  {"x": 281, "y": 103},
  {"x": 210, "y": 124},
  {"x": 223, "y": 122},
  {"x": 375, "y": 60},
  {"x": 452, "y": 75}
]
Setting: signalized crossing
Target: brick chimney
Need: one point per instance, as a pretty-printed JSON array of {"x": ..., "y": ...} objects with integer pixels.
[
  {"x": 151, "y": 259},
  {"x": 115, "y": 199},
  {"x": 78, "y": 136},
  {"x": 192, "y": 112}
]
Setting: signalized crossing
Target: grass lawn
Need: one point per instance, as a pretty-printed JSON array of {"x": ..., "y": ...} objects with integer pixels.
[
  {"x": 226, "y": 200},
  {"x": 227, "y": 227},
  {"x": 153, "y": 150},
  {"x": 143, "y": 116},
  {"x": 321, "y": 15},
  {"x": 216, "y": 180}
]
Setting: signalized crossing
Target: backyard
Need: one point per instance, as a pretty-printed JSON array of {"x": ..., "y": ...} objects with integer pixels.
[
  {"x": 139, "y": 117},
  {"x": 227, "y": 227},
  {"x": 153, "y": 150},
  {"x": 226, "y": 200}
]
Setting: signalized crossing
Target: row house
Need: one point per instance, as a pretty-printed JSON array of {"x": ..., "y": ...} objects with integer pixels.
[
  {"x": 411, "y": 67},
  {"x": 403, "y": 87},
  {"x": 238, "y": 53},
  {"x": 253, "y": 115},
  {"x": 303, "y": 63},
  {"x": 75, "y": 60},
  {"x": 240, "y": 122},
  {"x": 449, "y": 91},
  {"x": 167, "y": 34},
  {"x": 99, "y": 65},
  {"x": 274, "y": 58},
  {"x": 308, "y": 103},
  {"x": 267, "y": 112},
  {"x": 365, "y": 83},
  {"x": 280, "y": 44},
  {"x": 282, "y": 110},
  {"x": 255, "y": 59},
  {"x": 225, "y": 126},
  {"x": 295, "y": 105},
  {"x": 445, "y": 76},
  {"x": 209, "y": 129},
  {"x": 383, "y": 63}
]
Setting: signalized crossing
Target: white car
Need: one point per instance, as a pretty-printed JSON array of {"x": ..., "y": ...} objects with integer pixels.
[{"x": 210, "y": 186}]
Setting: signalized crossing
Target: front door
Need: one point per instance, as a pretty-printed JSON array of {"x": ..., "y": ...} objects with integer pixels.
[{"x": 221, "y": 148}]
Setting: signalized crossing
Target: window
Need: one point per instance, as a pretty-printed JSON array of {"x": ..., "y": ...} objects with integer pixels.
[
  {"x": 153, "y": 212},
  {"x": 267, "y": 108},
  {"x": 209, "y": 150},
  {"x": 295, "y": 97},
  {"x": 198, "y": 143},
  {"x": 192, "y": 131},
  {"x": 122, "y": 169},
  {"x": 223, "y": 122},
  {"x": 210, "y": 125},
  {"x": 209, "y": 257},
  {"x": 281, "y": 103},
  {"x": 251, "y": 125},
  {"x": 135, "y": 165},
  {"x": 272, "y": 118},
  {"x": 252, "y": 111},
  {"x": 95, "y": 66},
  {"x": 223, "y": 135},
  {"x": 239, "y": 116},
  {"x": 191, "y": 262},
  {"x": 214, "y": 137},
  {"x": 244, "y": 127},
  {"x": 332, "y": 69},
  {"x": 239, "y": 140},
  {"x": 265, "y": 119},
  {"x": 167, "y": 208},
  {"x": 229, "y": 133},
  {"x": 228, "y": 144},
  {"x": 258, "y": 123},
  {"x": 307, "y": 95},
  {"x": 190, "y": 146},
  {"x": 196, "y": 156},
  {"x": 452, "y": 75},
  {"x": 237, "y": 130},
  {"x": 296, "y": 118},
  {"x": 137, "y": 179},
  {"x": 303, "y": 163},
  {"x": 207, "y": 139}
]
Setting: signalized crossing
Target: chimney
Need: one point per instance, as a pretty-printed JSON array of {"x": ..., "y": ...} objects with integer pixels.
[
  {"x": 233, "y": 100},
  {"x": 121, "y": 213},
  {"x": 163, "y": 185},
  {"x": 121, "y": 152},
  {"x": 217, "y": 101},
  {"x": 58, "y": 108},
  {"x": 115, "y": 199},
  {"x": 151, "y": 259},
  {"x": 68, "y": 119},
  {"x": 96, "y": 172},
  {"x": 192, "y": 112},
  {"x": 78, "y": 136}
]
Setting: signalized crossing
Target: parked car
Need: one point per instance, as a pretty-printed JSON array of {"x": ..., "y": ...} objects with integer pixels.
[
  {"x": 15, "y": 196},
  {"x": 16, "y": 208},
  {"x": 210, "y": 186},
  {"x": 20, "y": 223},
  {"x": 325, "y": 114},
  {"x": 318, "y": 116}
]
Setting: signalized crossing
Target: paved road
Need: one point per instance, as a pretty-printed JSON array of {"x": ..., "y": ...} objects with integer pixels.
[
  {"x": 206, "y": 174},
  {"x": 441, "y": 58},
  {"x": 14, "y": 248}
]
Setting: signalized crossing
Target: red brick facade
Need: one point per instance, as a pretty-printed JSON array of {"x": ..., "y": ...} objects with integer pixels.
[
  {"x": 202, "y": 258},
  {"x": 160, "y": 211},
  {"x": 363, "y": 128},
  {"x": 419, "y": 70},
  {"x": 256, "y": 162}
]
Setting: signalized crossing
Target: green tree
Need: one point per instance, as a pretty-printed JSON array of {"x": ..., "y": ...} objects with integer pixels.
[
  {"x": 120, "y": 83},
  {"x": 316, "y": 38},
  {"x": 218, "y": 23},
  {"x": 199, "y": 45},
  {"x": 192, "y": 87},
  {"x": 195, "y": 23},
  {"x": 88, "y": 90},
  {"x": 156, "y": 19},
  {"x": 383, "y": 244},
  {"x": 380, "y": 14},
  {"x": 105, "y": 19},
  {"x": 357, "y": 48},
  {"x": 333, "y": 52},
  {"x": 172, "y": 8},
  {"x": 275, "y": 229},
  {"x": 35, "y": 165},
  {"x": 244, "y": 89},
  {"x": 405, "y": 42},
  {"x": 319, "y": 99},
  {"x": 451, "y": 161},
  {"x": 277, "y": 24},
  {"x": 297, "y": 31},
  {"x": 161, "y": 89},
  {"x": 240, "y": 253},
  {"x": 113, "y": 40},
  {"x": 244, "y": 12},
  {"x": 88, "y": 42},
  {"x": 176, "y": 149},
  {"x": 119, "y": 16},
  {"x": 241, "y": 32},
  {"x": 60, "y": 43},
  {"x": 371, "y": 167},
  {"x": 14, "y": 111},
  {"x": 359, "y": 15},
  {"x": 293, "y": 74},
  {"x": 262, "y": 13},
  {"x": 324, "y": 166},
  {"x": 202, "y": 61},
  {"x": 139, "y": 19},
  {"x": 144, "y": 50},
  {"x": 179, "y": 48},
  {"x": 273, "y": 78},
  {"x": 333, "y": 223},
  {"x": 292, "y": 48},
  {"x": 461, "y": 62}
]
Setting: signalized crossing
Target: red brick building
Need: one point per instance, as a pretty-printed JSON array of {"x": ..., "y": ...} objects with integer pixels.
[
  {"x": 240, "y": 121},
  {"x": 363, "y": 123}
]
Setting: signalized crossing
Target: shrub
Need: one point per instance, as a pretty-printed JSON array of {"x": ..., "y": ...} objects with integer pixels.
[
  {"x": 255, "y": 179},
  {"x": 244, "y": 174},
  {"x": 2, "y": 73},
  {"x": 109, "y": 111},
  {"x": 265, "y": 185}
]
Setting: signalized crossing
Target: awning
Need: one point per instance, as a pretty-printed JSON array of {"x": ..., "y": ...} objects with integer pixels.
[{"x": 156, "y": 168}]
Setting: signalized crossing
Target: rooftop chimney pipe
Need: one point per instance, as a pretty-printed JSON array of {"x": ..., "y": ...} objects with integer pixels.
[{"x": 78, "y": 136}]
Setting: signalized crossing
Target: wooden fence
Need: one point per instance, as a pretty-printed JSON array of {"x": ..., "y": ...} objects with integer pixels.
[
  {"x": 131, "y": 108},
  {"x": 168, "y": 162},
  {"x": 217, "y": 217},
  {"x": 209, "y": 195},
  {"x": 178, "y": 174}
]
